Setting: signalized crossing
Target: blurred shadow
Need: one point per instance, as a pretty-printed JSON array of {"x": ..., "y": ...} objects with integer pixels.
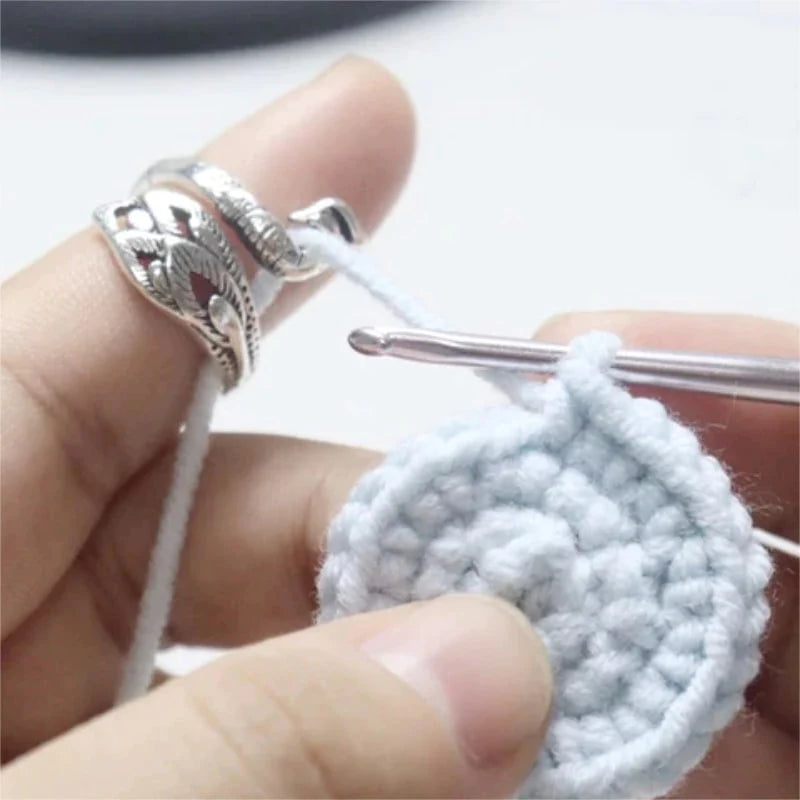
[{"x": 108, "y": 28}]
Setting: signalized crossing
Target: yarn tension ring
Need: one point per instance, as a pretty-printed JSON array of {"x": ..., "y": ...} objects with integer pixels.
[
  {"x": 259, "y": 231},
  {"x": 178, "y": 256}
]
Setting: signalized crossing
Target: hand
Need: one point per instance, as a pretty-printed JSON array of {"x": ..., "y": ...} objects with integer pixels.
[
  {"x": 757, "y": 755},
  {"x": 336, "y": 710},
  {"x": 95, "y": 382}
]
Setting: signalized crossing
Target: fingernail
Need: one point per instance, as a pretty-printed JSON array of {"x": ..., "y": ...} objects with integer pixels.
[{"x": 480, "y": 665}]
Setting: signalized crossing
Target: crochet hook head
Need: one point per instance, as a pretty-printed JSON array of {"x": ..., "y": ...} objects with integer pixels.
[
  {"x": 368, "y": 341},
  {"x": 774, "y": 380},
  {"x": 439, "y": 347}
]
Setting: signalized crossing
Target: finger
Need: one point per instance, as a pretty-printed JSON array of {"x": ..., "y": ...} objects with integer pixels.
[
  {"x": 750, "y": 759},
  {"x": 95, "y": 379},
  {"x": 443, "y": 699},
  {"x": 247, "y": 572},
  {"x": 255, "y": 541}
]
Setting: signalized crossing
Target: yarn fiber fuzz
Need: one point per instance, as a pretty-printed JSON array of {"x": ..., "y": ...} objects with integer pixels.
[{"x": 603, "y": 520}]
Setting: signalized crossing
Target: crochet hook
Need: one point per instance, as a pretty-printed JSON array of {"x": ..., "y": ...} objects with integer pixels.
[{"x": 766, "y": 379}]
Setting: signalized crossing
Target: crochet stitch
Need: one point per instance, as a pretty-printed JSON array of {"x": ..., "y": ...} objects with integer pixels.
[
  {"x": 604, "y": 521},
  {"x": 594, "y": 512}
]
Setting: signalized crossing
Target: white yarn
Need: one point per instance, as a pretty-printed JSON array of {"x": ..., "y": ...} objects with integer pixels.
[
  {"x": 358, "y": 267},
  {"x": 780, "y": 543},
  {"x": 265, "y": 289},
  {"x": 165, "y": 559}
]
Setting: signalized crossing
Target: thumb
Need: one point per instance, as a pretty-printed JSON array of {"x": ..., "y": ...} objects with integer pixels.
[{"x": 441, "y": 699}]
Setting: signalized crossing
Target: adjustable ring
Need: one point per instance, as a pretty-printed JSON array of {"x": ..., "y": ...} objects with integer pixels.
[
  {"x": 176, "y": 254},
  {"x": 260, "y": 232}
]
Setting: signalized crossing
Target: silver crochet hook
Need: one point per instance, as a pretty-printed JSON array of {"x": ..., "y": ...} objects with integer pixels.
[{"x": 771, "y": 380}]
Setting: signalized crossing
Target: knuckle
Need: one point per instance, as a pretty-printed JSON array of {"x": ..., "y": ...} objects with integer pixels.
[
  {"x": 88, "y": 445},
  {"x": 226, "y": 742},
  {"x": 263, "y": 724}
]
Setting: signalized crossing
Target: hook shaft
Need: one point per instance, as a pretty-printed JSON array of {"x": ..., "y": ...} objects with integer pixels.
[{"x": 766, "y": 379}]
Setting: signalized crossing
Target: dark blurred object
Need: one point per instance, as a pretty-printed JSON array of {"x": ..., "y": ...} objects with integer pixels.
[{"x": 165, "y": 27}]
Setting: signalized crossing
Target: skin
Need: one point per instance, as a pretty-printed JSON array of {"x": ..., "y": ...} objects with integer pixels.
[{"x": 91, "y": 405}]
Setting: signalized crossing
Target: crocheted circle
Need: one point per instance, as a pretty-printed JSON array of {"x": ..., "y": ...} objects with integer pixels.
[{"x": 602, "y": 519}]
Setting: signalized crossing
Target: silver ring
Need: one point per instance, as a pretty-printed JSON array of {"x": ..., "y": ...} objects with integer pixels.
[
  {"x": 176, "y": 254},
  {"x": 260, "y": 232}
]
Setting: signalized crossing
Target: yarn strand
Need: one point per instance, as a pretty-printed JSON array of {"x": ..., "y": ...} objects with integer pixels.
[{"x": 165, "y": 559}]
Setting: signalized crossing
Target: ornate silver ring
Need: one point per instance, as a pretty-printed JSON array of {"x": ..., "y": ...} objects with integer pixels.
[
  {"x": 260, "y": 232},
  {"x": 179, "y": 257},
  {"x": 176, "y": 254}
]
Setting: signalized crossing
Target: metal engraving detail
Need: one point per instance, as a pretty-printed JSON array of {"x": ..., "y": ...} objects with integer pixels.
[
  {"x": 260, "y": 232},
  {"x": 175, "y": 253}
]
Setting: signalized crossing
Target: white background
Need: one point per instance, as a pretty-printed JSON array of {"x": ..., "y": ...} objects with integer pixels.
[{"x": 570, "y": 157}]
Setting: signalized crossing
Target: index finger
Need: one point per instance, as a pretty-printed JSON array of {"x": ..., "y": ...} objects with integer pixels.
[{"x": 96, "y": 380}]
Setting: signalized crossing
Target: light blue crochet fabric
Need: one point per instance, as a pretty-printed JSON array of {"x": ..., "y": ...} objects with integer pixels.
[{"x": 603, "y": 520}]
